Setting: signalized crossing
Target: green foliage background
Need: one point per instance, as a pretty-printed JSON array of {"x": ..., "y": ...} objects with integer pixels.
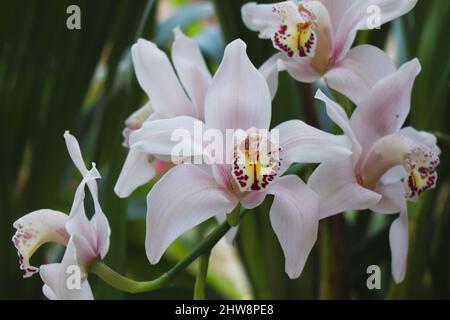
[{"x": 53, "y": 79}]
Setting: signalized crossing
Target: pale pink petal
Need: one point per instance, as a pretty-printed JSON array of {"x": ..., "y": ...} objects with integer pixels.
[
  {"x": 338, "y": 115},
  {"x": 302, "y": 143},
  {"x": 359, "y": 71},
  {"x": 336, "y": 10},
  {"x": 386, "y": 107},
  {"x": 161, "y": 137},
  {"x": 359, "y": 14},
  {"x": 136, "y": 171},
  {"x": 295, "y": 219},
  {"x": 239, "y": 97},
  {"x": 183, "y": 198},
  {"x": 270, "y": 70},
  {"x": 36, "y": 229},
  {"x": 78, "y": 222},
  {"x": 252, "y": 200},
  {"x": 191, "y": 69},
  {"x": 338, "y": 190},
  {"x": 74, "y": 150},
  {"x": 301, "y": 69},
  {"x": 262, "y": 18},
  {"x": 157, "y": 77},
  {"x": 393, "y": 200},
  {"x": 422, "y": 137},
  {"x": 398, "y": 240},
  {"x": 59, "y": 278}
]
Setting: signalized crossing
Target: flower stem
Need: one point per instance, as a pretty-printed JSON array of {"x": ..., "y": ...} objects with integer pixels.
[
  {"x": 233, "y": 217},
  {"x": 200, "y": 281},
  {"x": 125, "y": 284}
]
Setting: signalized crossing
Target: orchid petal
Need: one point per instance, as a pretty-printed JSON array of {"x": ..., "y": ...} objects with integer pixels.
[
  {"x": 252, "y": 200},
  {"x": 56, "y": 276},
  {"x": 295, "y": 219},
  {"x": 336, "y": 185},
  {"x": 338, "y": 115},
  {"x": 386, "y": 107},
  {"x": 270, "y": 70},
  {"x": 422, "y": 137},
  {"x": 73, "y": 147},
  {"x": 336, "y": 10},
  {"x": 157, "y": 77},
  {"x": 261, "y": 17},
  {"x": 359, "y": 71},
  {"x": 100, "y": 231},
  {"x": 398, "y": 240},
  {"x": 183, "y": 198},
  {"x": 301, "y": 69},
  {"x": 191, "y": 69},
  {"x": 136, "y": 171},
  {"x": 357, "y": 18},
  {"x": 161, "y": 137},
  {"x": 393, "y": 198},
  {"x": 36, "y": 229},
  {"x": 78, "y": 222},
  {"x": 302, "y": 143},
  {"x": 239, "y": 97}
]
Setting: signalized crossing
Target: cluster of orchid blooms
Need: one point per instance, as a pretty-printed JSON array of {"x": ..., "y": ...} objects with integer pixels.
[{"x": 375, "y": 164}]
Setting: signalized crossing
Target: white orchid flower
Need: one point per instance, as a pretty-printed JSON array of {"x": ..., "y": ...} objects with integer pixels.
[
  {"x": 171, "y": 96},
  {"x": 86, "y": 240},
  {"x": 315, "y": 38},
  {"x": 238, "y": 98},
  {"x": 389, "y": 165}
]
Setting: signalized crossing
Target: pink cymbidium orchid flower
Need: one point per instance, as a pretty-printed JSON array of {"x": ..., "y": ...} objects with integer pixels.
[
  {"x": 238, "y": 99},
  {"x": 170, "y": 96},
  {"x": 389, "y": 164},
  {"x": 85, "y": 240},
  {"x": 315, "y": 38}
]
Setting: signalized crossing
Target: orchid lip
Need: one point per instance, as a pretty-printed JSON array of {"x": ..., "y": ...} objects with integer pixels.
[
  {"x": 296, "y": 38},
  {"x": 418, "y": 160},
  {"x": 34, "y": 230},
  {"x": 256, "y": 162}
]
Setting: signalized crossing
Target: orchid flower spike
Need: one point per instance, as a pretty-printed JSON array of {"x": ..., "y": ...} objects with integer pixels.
[
  {"x": 315, "y": 38},
  {"x": 389, "y": 164},
  {"x": 85, "y": 240},
  {"x": 171, "y": 96},
  {"x": 238, "y": 98}
]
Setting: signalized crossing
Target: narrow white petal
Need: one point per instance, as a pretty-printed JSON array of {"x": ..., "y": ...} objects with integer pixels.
[
  {"x": 385, "y": 109},
  {"x": 398, "y": 240},
  {"x": 157, "y": 77},
  {"x": 295, "y": 219},
  {"x": 191, "y": 69},
  {"x": 136, "y": 171}
]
